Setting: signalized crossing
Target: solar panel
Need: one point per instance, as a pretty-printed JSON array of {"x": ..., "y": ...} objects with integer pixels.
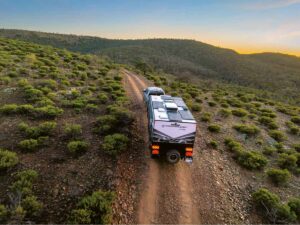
[
  {"x": 157, "y": 105},
  {"x": 174, "y": 116},
  {"x": 186, "y": 115}
]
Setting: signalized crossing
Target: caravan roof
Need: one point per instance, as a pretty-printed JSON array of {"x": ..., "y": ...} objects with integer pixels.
[{"x": 168, "y": 108}]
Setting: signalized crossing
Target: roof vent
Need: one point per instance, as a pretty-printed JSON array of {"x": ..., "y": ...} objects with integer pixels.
[{"x": 171, "y": 106}]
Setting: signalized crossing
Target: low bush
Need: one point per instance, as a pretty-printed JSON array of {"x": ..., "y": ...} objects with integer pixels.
[
  {"x": 214, "y": 128},
  {"x": 24, "y": 182},
  {"x": 77, "y": 147},
  {"x": 268, "y": 121},
  {"x": 8, "y": 159},
  {"x": 247, "y": 159},
  {"x": 80, "y": 216},
  {"x": 43, "y": 129},
  {"x": 213, "y": 144},
  {"x": 212, "y": 104},
  {"x": 206, "y": 117},
  {"x": 297, "y": 147},
  {"x": 269, "y": 204},
  {"x": 31, "y": 205},
  {"x": 296, "y": 119},
  {"x": 294, "y": 204},
  {"x": 251, "y": 159},
  {"x": 286, "y": 161},
  {"x": 9, "y": 109},
  {"x": 47, "y": 112},
  {"x": 279, "y": 176},
  {"x": 294, "y": 130},
  {"x": 225, "y": 112},
  {"x": 114, "y": 144},
  {"x": 3, "y": 213},
  {"x": 196, "y": 107},
  {"x": 72, "y": 130},
  {"x": 239, "y": 112},
  {"x": 277, "y": 135},
  {"x": 269, "y": 150},
  {"x": 103, "y": 98},
  {"x": 233, "y": 145},
  {"x": 247, "y": 129},
  {"x": 94, "y": 209},
  {"x": 29, "y": 145}
]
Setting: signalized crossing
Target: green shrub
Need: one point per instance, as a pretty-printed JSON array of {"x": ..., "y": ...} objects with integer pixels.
[
  {"x": 247, "y": 129},
  {"x": 251, "y": 159},
  {"x": 102, "y": 98},
  {"x": 264, "y": 199},
  {"x": 24, "y": 182},
  {"x": 48, "y": 112},
  {"x": 7, "y": 159},
  {"x": 8, "y": 109},
  {"x": 286, "y": 161},
  {"x": 297, "y": 147},
  {"x": 225, "y": 112},
  {"x": 206, "y": 117},
  {"x": 212, "y": 104},
  {"x": 294, "y": 204},
  {"x": 213, "y": 144},
  {"x": 269, "y": 150},
  {"x": 277, "y": 135},
  {"x": 114, "y": 144},
  {"x": 106, "y": 123},
  {"x": 233, "y": 145},
  {"x": 43, "y": 129},
  {"x": 31, "y": 205},
  {"x": 279, "y": 176},
  {"x": 214, "y": 128},
  {"x": 269, "y": 204},
  {"x": 72, "y": 130},
  {"x": 29, "y": 145},
  {"x": 239, "y": 112},
  {"x": 95, "y": 209},
  {"x": 296, "y": 119},
  {"x": 76, "y": 147},
  {"x": 25, "y": 109},
  {"x": 294, "y": 130},
  {"x": 80, "y": 216},
  {"x": 196, "y": 107},
  {"x": 269, "y": 122},
  {"x": 3, "y": 213}
]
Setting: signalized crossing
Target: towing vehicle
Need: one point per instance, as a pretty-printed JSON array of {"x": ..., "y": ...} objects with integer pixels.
[{"x": 172, "y": 127}]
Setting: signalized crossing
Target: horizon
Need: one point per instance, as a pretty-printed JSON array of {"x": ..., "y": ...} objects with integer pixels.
[{"x": 246, "y": 27}]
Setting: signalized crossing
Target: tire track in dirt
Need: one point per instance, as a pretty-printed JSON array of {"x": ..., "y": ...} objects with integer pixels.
[{"x": 167, "y": 195}]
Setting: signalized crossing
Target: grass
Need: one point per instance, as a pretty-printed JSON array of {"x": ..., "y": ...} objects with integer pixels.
[
  {"x": 8, "y": 159},
  {"x": 250, "y": 130}
]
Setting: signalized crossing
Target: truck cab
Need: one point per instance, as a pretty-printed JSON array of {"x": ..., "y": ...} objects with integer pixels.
[{"x": 152, "y": 91}]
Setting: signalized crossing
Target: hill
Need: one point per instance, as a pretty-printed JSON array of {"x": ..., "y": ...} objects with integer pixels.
[
  {"x": 276, "y": 74},
  {"x": 57, "y": 140},
  {"x": 74, "y": 147}
]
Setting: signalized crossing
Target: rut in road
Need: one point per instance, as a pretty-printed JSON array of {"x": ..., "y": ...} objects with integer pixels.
[{"x": 167, "y": 190}]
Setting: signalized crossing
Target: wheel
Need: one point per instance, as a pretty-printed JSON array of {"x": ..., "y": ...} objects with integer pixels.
[{"x": 173, "y": 156}]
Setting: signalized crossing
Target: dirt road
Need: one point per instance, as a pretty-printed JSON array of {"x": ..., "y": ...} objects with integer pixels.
[
  {"x": 167, "y": 195},
  {"x": 181, "y": 193}
]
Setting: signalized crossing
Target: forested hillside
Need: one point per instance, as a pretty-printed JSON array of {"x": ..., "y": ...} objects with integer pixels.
[{"x": 275, "y": 73}]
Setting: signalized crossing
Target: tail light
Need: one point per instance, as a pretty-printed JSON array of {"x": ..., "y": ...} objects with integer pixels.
[
  {"x": 188, "y": 152},
  {"x": 155, "y": 147},
  {"x": 155, "y": 152}
]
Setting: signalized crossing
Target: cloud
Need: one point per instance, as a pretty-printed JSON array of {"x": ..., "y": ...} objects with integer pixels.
[{"x": 271, "y": 4}]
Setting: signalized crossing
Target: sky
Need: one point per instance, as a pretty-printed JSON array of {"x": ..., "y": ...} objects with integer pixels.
[{"x": 246, "y": 26}]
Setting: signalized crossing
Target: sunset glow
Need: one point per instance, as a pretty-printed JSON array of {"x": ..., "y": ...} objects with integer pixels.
[{"x": 245, "y": 26}]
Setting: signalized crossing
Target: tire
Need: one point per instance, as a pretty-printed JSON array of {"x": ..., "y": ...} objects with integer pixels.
[{"x": 173, "y": 156}]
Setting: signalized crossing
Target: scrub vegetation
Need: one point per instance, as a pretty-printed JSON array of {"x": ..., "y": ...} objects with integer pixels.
[{"x": 60, "y": 114}]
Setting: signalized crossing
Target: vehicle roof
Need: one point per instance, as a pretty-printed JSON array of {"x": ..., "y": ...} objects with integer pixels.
[
  {"x": 155, "y": 89},
  {"x": 168, "y": 108}
]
